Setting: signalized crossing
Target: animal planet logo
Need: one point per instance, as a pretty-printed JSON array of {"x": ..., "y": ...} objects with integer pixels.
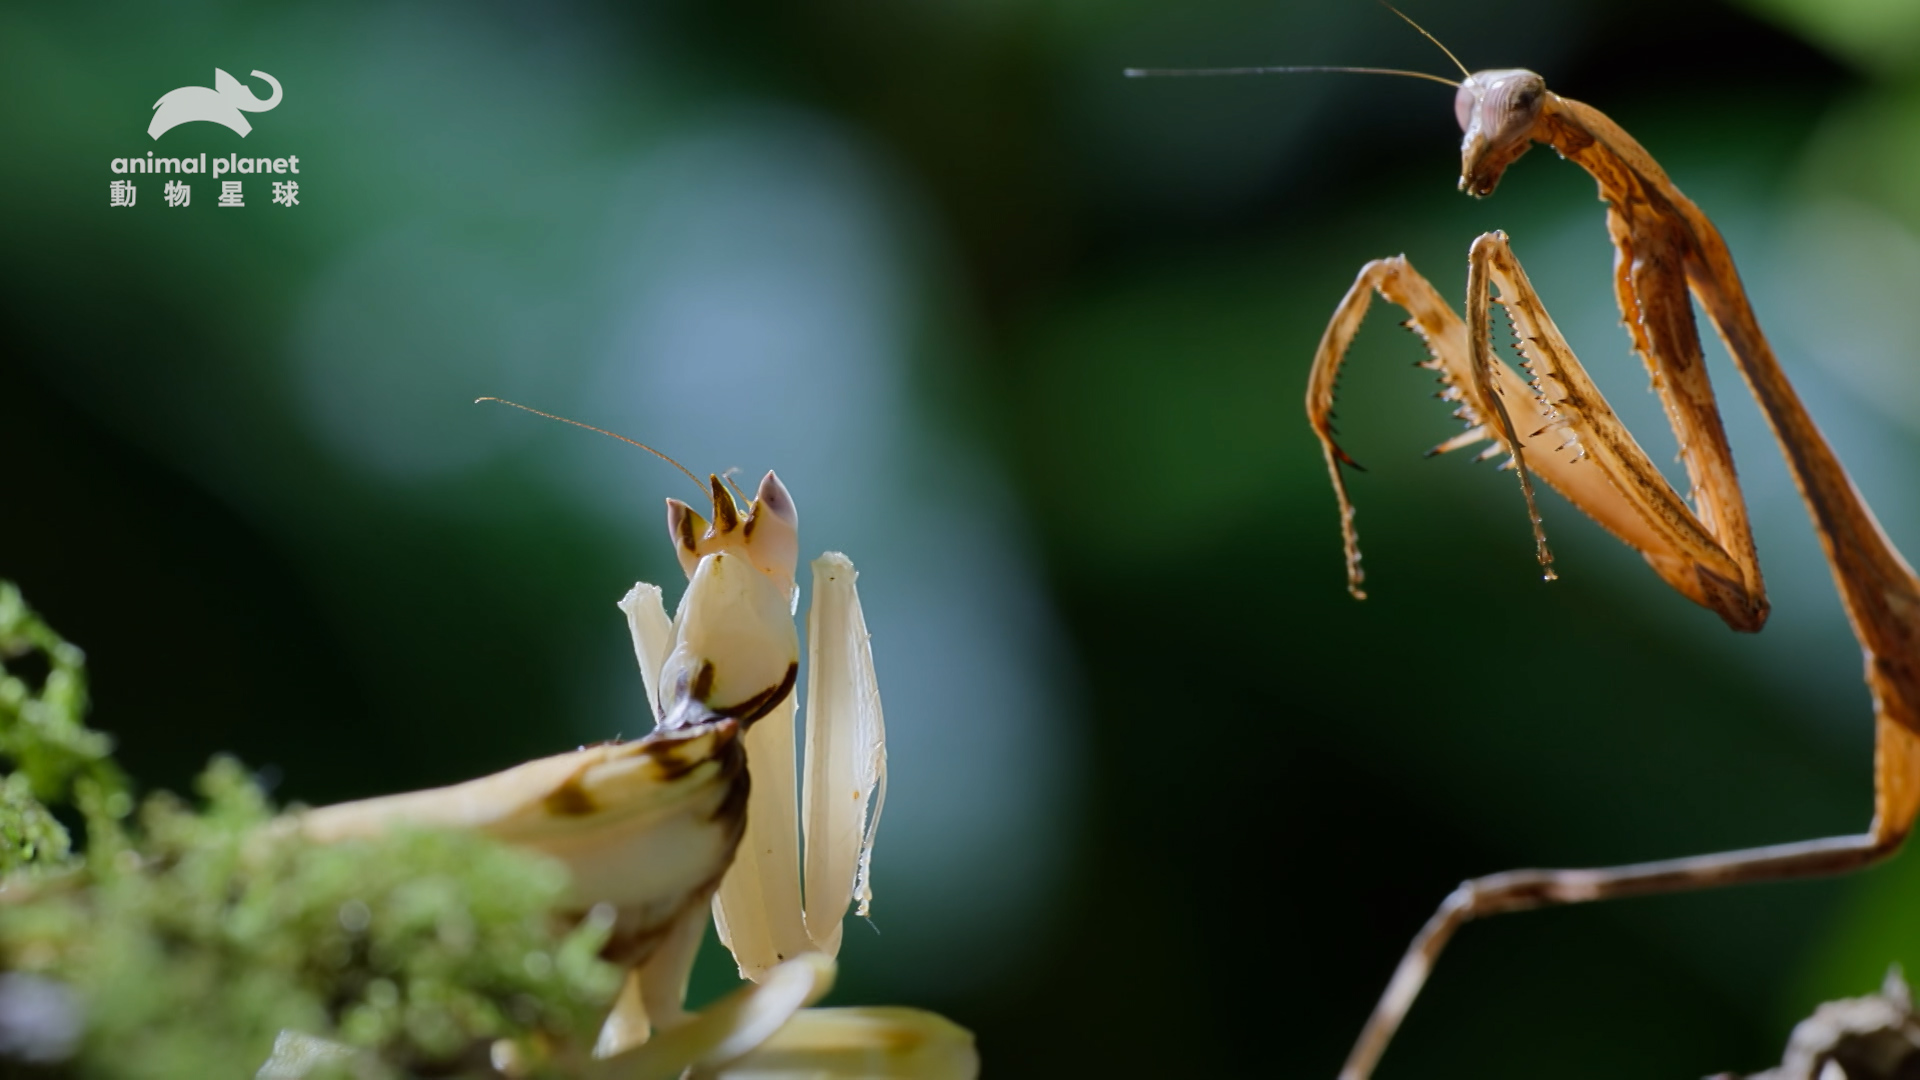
[{"x": 226, "y": 103}]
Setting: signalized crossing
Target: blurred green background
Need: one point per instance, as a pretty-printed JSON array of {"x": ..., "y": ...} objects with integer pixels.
[{"x": 1028, "y": 341}]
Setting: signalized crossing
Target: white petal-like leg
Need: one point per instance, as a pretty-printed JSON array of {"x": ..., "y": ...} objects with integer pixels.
[
  {"x": 846, "y": 752},
  {"x": 640, "y": 825},
  {"x": 727, "y": 1029},
  {"x": 627, "y": 1025},
  {"x": 757, "y": 910},
  {"x": 875, "y": 1043},
  {"x": 647, "y": 827},
  {"x": 652, "y": 636},
  {"x": 654, "y": 994},
  {"x": 663, "y": 981}
]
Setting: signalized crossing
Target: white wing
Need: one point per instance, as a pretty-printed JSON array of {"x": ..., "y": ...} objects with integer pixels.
[{"x": 846, "y": 753}]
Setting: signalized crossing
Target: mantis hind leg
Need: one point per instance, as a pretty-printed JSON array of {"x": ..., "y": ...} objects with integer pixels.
[{"x": 1896, "y": 801}]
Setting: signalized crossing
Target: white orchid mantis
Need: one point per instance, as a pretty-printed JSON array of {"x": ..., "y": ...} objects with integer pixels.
[{"x": 704, "y": 810}]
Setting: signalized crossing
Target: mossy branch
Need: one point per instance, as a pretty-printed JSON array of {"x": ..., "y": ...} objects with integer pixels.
[{"x": 181, "y": 940}]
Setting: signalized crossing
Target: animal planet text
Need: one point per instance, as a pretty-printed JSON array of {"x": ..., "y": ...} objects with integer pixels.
[{"x": 232, "y": 163}]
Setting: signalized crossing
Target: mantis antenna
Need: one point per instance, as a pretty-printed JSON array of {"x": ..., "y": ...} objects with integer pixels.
[
  {"x": 1163, "y": 73},
  {"x": 609, "y": 434},
  {"x": 1154, "y": 73},
  {"x": 1429, "y": 37}
]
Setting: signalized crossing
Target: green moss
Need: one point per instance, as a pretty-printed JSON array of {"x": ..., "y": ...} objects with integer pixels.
[
  {"x": 184, "y": 939},
  {"x": 44, "y": 739}
]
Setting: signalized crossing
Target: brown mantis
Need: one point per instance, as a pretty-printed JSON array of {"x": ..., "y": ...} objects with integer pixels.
[{"x": 1561, "y": 428}]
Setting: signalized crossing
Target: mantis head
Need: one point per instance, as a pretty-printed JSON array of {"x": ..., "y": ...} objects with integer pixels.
[
  {"x": 767, "y": 535},
  {"x": 734, "y": 652},
  {"x": 1497, "y": 110}
]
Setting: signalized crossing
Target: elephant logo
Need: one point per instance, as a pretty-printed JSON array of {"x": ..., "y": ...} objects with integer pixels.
[{"x": 226, "y": 103}]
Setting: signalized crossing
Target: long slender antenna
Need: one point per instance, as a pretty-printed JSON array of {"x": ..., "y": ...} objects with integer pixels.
[
  {"x": 1165, "y": 73},
  {"x": 603, "y": 431},
  {"x": 1429, "y": 37}
]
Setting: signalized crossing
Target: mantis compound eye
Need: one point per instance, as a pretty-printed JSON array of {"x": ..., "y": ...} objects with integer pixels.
[{"x": 1509, "y": 102}]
